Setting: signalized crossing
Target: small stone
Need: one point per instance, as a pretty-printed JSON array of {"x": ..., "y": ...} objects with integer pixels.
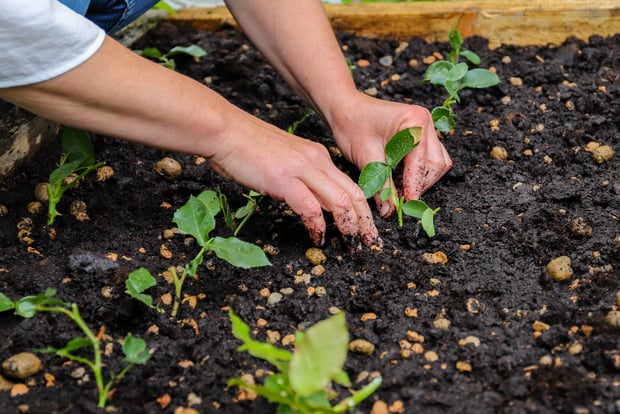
[
  {"x": 370, "y": 316},
  {"x": 316, "y": 256},
  {"x": 397, "y": 407},
  {"x": 498, "y": 153},
  {"x": 546, "y": 360},
  {"x": 21, "y": 366},
  {"x": 165, "y": 252},
  {"x": 34, "y": 207},
  {"x": 413, "y": 336},
  {"x": 506, "y": 60},
  {"x": 379, "y": 407},
  {"x": 273, "y": 299},
  {"x": 539, "y": 326},
  {"x": 506, "y": 100},
  {"x": 317, "y": 270},
  {"x": 4, "y": 210},
  {"x": 435, "y": 258},
  {"x": 386, "y": 61},
  {"x": 470, "y": 340},
  {"x": 613, "y": 319},
  {"x": 320, "y": 291},
  {"x": 19, "y": 389},
  {"x": 264, "y": 293},
  {"x": 104, "y": 173},
  {"x": 273, "y": 337},
  {"x": 361, "y": 346},
  {"x": 442, "y": 323},
  {"x": 40, "y": 192},
  {"x": 5, "y": 384},
  {"x": 602, "y": 154},
  {"x": 580, "y": 227},
  {"x": 429, "y": 60},
  {"x": 363, "y": 63},
  {"x": 186, "y": 410},
  {"x": 463, "y": 366},
  {"x": 288, "y": 340},
  {"x": 414, "y": 63},
  {"x": 78, "y": 210},
  {"x": 411, "y": 312},
  {"x": 78, "y": 372},
  {"x": 169, "y": 168},
  {"x": 559, "y": 269},
  {"x": 516, "y": 81},
  {"x": 431, "y": 356},
  {"x": 261, "y": 323},
  {"x": 575, "y": 348}
]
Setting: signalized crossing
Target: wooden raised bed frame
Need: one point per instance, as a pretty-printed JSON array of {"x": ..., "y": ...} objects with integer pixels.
[{"x": 514, "y": 22}]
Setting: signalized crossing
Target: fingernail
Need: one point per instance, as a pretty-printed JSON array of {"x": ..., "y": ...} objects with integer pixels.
[{"x": 384, "y": 209}]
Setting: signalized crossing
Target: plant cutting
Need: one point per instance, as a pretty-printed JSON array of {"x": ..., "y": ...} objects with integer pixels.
[
  {"x": 197, "y": 219},
  {"x": 302, "y": 383},
  {"x": 455, "y": 76},
  {"x": 377, "y": 177},
  {"x": 134, "y": 349},
  {"x": 166, "y": 59},
  {"x": 244, "y": 212},
  {"x": 77, "y": 160}
]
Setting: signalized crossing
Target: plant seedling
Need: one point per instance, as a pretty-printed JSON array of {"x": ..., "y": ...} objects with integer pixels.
[
  {"x": 134, "y": 349},
  {"x": 197, "y": 219},
  {"x": 166, "y": 59},
  {"x": 455, "y": 76},
  {"x": 307, "y": 114},
  {"x": 305, "y": 375},
  {"x": 378, "y": 176},
  {"x": 244, "y": 212},
  {"x": 77, "y": 161}
]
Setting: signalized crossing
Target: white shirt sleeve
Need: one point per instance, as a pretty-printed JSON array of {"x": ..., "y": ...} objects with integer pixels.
[{"x": 42, "y": 39}]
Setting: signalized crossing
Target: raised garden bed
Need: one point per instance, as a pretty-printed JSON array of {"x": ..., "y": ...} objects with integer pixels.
[{"x": 517, "y": 341}]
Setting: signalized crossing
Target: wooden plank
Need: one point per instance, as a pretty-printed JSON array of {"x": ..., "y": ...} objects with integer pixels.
[{"x": 515, "y": 22}]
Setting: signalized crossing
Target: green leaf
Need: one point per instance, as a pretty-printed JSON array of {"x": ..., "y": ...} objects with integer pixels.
[
  {"x": 135, "y": 350},
  {"x": 275, "y": 356},
  {"x": 193, "y": 50},
  {"x": 385, "y": 193},
  {"x": 471, "y": 56},
  {"x": 78, "y": 145},
  {"x": 415, "y": 208},
  {"x": 453, "y": 88},
  {"x": 211, "y": 201},
  {"x": 359, "y": 396},
  {"x": 458, "y": 71},
  {"x": 428, "y": 222},
  {"x": 272, "y": 390},
  {"x": 456, "y": 41},
  {"x": 373, "y": 177},
  {"x": 319, "y": 355},
  {"x": 195, "y": 219},
  {"x": 162, "y": 5},
  {"x": 64, "y": 170},
  {"x": 239, "y": 253},
  {"x": 479, "y": 78},
  {"x": 151, "y": 52},
  {"x": 25, "y": 308},
  {"x": 5, "y": 303},
  {"x": 443, "y": 118},
  {"x": 401, "y": 144},
  {"x": 137, "y": 282},
  {"x": 75, "y": 344},
  {"x": 437, "y": 73}
]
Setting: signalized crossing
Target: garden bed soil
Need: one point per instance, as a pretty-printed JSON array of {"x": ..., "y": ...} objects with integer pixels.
[{"x": 501, "y": 222}]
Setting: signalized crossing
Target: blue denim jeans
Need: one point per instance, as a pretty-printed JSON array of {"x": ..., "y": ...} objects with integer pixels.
[{"x": 110, "y": 15}]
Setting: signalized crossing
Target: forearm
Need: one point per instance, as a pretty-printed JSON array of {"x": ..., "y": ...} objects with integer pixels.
[
  {"x": 121, "y": 94},
  {"x": 296, "y": 38}
]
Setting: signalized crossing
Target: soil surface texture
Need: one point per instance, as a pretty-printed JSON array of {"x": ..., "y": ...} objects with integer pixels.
[{"x": 483, "y": 330}]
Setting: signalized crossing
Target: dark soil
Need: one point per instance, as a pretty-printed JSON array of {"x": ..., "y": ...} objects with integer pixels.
[{"x": 500, "y": 223}]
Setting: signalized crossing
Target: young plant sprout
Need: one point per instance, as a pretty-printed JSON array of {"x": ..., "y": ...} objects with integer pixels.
[
  {"x": 197, "y": 219},
  {"x": 304, "y": 376},
  {"x": 134, "y": 349},
  {"x": 77, "y": 161},
  {"x": 378, "y": 176},
  {"x": 454, "y": 77},
  {"x": 244, "y": 212},
  {"x": 307, "y": 114},
  {"x": 166, "y": 59}
]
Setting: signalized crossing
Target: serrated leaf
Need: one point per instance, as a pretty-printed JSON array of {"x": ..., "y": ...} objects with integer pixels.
[
  {"x": 135, "y": 350},
  {"x": 211, "y": 201},
  {"x": 401, "y": 144},
  {"x": 456, "y": 41},
  {"x": 373, "y": 177},
  {"x": 195, "y": 219},
  {"x": 319, "y": 356},
  {"x": 479, "y": 78},
  {"x": 239, "y": 253}
]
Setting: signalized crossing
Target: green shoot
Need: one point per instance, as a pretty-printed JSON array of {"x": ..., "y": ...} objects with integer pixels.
[
  {"x": 197, "y": 219},
  {"x": 307, "y": 114},
  {"x": 134, "y": 349},
  {"x": 454, "y": 77},
  {"x": 247, "y": 211},
  {"x": 166, "y": 59},
  {"x": 378, "y": 176},
  {"x": 305, "y": 375},
  {"x": 77, "y": 161}
]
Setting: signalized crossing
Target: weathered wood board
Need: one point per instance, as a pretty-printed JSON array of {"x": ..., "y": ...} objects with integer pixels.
[{"x": 515, "y": 22}]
